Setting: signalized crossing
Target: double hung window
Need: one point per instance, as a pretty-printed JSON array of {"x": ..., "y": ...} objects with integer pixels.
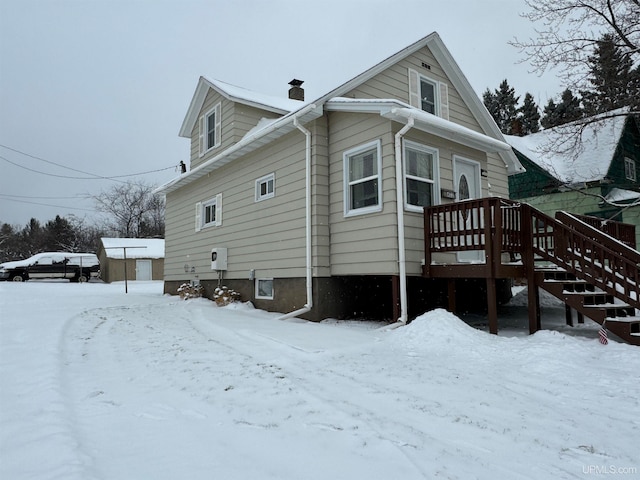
[
  {"x": 420, "y": 175},
  {"x": 210, "y": 129},
  {"x": 428, "y": 94},
  {"x": 363, "y": 186},
  {"x": 630, "y": 169}
]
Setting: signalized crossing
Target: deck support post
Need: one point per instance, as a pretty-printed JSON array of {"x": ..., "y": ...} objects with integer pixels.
[
  {"x": 568, "y": 316},
  {"x": 533, "y": 301},
  {"x": 492, "y": 306},
  {"x": 533, "y": 297},
  {"x": 451, "y": 292}
]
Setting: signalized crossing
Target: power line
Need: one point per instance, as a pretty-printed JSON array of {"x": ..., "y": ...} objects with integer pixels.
[
  {"x": 50, "y": 205},
  {"x": 53, "y": 174},
  {"x": 84, "y": 196},
  {"x": 93, "y": 176}
]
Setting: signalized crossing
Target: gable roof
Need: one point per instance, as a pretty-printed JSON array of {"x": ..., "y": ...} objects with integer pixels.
[
  {"x": 591, "y": 162},
  {"x": 278, "y": 105},
  {"x": 311, "y": 110},
  {"x": 455, "y": 76},
  {"x": 152, "y": 247}
]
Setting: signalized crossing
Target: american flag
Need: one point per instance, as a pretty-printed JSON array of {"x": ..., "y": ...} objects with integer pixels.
[{"x": 602, "y": 336}]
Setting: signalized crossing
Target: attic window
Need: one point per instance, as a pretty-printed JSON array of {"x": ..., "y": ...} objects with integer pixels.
[
  {"x": 428, "y": 94},
  {"x": 630, "y": 169}
]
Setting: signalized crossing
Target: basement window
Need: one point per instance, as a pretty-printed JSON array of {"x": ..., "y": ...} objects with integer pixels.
[{"x": 264, "y": 288}]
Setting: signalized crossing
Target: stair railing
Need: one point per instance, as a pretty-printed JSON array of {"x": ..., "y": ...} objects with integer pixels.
[{"x": 586, "y": 252}]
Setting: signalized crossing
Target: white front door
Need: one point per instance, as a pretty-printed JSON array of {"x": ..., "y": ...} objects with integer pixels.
[
  {"x": 466, "y": 174},
  {"x": 143, "y": 269}
]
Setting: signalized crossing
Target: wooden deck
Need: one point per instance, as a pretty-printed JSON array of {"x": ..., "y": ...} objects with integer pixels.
[{"x": 514, "y": 238}]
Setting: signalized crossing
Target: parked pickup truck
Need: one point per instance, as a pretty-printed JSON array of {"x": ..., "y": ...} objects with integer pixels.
[{"x": 77, "y": 267}]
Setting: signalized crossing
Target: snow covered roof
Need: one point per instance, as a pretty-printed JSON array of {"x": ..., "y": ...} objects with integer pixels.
[
  {"x": 590, "y": 163},
  {"x": 305, "y": 112},
  {"x": 620, "y": 195},
  {"x": 152, "y": 247},
  {"x": 278, "y": 105}
]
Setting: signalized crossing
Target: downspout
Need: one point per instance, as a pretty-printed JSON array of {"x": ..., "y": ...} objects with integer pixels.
[
  {"x": 307, "y": 307},
  {"x": 402, "y": 261}
]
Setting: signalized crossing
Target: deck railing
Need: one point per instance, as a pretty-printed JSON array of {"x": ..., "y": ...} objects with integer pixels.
[
  {"x": 473, "y": 225},
  {"x": 498, "y": 226}
]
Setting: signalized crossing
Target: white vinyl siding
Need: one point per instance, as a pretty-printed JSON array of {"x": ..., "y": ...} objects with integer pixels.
[
  {"x": 209, "y": 213},
  {"x": 421, "y": 175},
  {"x": 265, "y": 187},
  {"x": 362, "y": 181},
  {"x": 428, "y": 94},
  {"x": 269, "y": 236},
  {"x": 210, "y": 129}
]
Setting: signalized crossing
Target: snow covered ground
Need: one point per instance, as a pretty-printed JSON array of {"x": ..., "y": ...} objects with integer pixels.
[{"x": 96, "y": 384}]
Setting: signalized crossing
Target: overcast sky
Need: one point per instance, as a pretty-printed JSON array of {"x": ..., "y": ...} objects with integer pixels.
[{"x": 102, "y": 86}]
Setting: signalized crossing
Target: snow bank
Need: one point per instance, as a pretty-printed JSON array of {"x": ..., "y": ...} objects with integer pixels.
[{"x": 437, "y": 328}]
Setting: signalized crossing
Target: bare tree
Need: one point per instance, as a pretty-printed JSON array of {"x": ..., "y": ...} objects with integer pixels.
[
  {"x": 570, "y": 32},
  {"x": 572, "y": 29},
  {"x": 132, "y": 210}
]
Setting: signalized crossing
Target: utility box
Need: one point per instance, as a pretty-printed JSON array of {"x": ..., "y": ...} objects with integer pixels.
[{"x": 218, "y": 258}]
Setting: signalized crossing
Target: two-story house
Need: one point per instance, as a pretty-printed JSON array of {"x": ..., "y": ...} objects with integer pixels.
[{"x": 314, "y": 208}]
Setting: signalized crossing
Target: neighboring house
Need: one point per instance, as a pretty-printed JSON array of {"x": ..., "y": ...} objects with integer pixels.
[
  {"x": 599, "y": 178},
  {"x": 140, "y": 258},
  {"x": 315, "y": 208}
]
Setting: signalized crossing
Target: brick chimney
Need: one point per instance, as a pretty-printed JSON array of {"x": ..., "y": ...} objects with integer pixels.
[{"x": 296, "y": 92}]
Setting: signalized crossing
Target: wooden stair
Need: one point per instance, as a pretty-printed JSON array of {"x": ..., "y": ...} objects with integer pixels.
[
  {"x": 585, "y": 298},
  {"x": 592, "y": 265}
]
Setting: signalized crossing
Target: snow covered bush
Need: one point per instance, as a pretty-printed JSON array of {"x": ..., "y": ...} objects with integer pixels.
[
  {"x": 190, "y": 290},
  {"x": 224, "y": 296}
]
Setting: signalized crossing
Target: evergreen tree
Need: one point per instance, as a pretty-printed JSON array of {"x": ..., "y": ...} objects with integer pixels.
[
  {"x": 32, "y": 238},
  {"x": 568, "y": 110},
  {"x": 529, "y": 115},
  {"x": 491, "y": 102},
  {"x": 59, "y": 235},
  {"x": 502, "y": 105},
  {"x": 614, "y": 82},
  {"x": 550, "y": 115}
]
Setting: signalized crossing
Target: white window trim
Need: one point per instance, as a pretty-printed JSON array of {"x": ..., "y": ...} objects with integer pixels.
[
  {"x": 630, "y": 169},
  {"x": 257, "y": 290},
  {"x": 202, "y": 125},
  {"x": 271, "y": 177},
  {"x": 441, "y": 93},
  {"x": 348, "y": 212},
  {"x": 436, "y": 174},
  {"x": 200, "y": 216}
]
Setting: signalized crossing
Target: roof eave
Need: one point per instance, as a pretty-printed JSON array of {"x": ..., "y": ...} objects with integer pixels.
[{"x": 248, "y": 144}]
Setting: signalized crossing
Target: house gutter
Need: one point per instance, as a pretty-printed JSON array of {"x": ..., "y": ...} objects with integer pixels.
[
  {"x": 234, "y": 151},
  {"x": 402, "y": 261},
  {"x": 309, "y": 305}
]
